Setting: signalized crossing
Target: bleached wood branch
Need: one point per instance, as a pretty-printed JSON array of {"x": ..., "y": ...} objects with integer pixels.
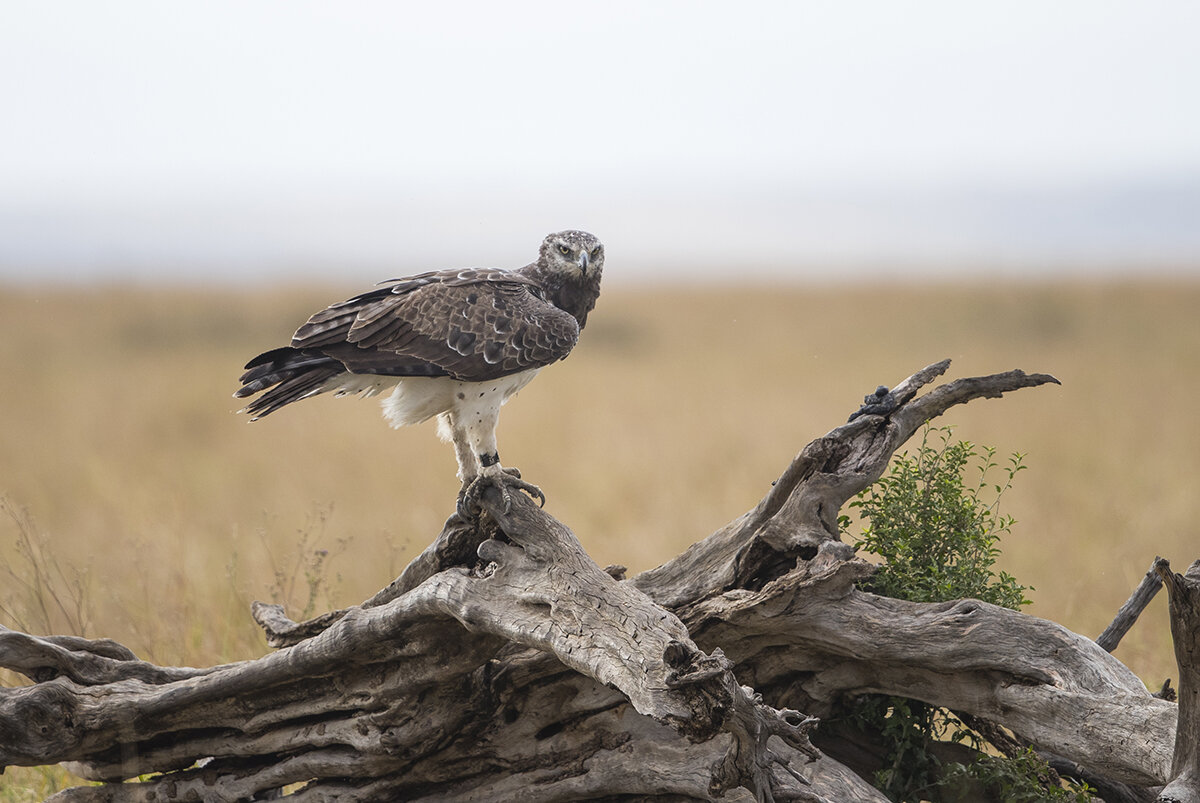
[{"x": 503, "y": 664}]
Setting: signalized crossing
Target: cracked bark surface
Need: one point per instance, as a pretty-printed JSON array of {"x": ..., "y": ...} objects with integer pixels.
[{"x": 503, "y": 664}]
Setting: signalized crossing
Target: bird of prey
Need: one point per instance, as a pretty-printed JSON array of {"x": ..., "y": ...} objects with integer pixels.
[{"x": 455, "y": 344}]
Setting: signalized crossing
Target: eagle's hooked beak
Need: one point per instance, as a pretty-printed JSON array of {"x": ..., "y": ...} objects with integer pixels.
[{"x": 583, "y": 261}]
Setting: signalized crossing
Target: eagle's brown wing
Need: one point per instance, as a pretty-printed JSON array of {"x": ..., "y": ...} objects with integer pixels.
[{"x": 474, "y": 325}]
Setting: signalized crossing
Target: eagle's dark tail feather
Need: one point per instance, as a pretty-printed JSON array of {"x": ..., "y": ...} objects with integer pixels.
[{"x": 287, "y": 375}]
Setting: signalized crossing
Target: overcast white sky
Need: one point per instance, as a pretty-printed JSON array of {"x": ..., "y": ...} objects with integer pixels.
[{"x": 157, "y": 138}]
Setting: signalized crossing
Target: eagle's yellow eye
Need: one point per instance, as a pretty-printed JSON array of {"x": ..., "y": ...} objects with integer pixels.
[{"x": 564, "y": 250}]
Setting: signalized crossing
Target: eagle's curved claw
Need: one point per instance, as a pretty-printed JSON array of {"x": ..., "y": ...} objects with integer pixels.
[{"x": 469, "y": 496}]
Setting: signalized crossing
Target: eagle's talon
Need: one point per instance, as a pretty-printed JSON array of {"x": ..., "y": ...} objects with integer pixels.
[
  {"x": 467, "y": 506},
  {"x": 469, "y": 497},
  {"x": 534, "y": 493}
]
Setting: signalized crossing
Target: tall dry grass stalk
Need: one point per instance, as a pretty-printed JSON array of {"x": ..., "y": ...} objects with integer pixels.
[{"x": 44, "y": 592}]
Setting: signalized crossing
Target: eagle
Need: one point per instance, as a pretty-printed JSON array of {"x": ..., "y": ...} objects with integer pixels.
[{"x": 456, "y": 344}]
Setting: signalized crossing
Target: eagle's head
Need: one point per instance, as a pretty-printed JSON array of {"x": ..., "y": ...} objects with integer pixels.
[
  {"x": 572, "y": 254},
  {"x": 568, "y": 270}
]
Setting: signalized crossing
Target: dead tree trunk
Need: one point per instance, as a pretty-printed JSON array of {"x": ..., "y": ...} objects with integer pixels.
[
  {"x": 1184, "y": 593},
  {"x": 503, "y": 664}
]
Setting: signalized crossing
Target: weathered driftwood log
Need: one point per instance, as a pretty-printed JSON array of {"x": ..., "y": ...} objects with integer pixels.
[
  {"x": 503, "y": 664},
  {"x": 364, "y": 703}
]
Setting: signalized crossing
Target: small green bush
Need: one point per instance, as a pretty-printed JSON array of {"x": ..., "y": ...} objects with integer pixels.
[{"x": 937, "y": 534}]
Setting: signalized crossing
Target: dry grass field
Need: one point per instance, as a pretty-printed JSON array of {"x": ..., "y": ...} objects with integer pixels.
[{"x": 156, "y": 514}]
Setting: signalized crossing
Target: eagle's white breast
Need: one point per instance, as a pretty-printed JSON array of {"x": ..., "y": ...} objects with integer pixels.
[{"x": 418, "y": 399}]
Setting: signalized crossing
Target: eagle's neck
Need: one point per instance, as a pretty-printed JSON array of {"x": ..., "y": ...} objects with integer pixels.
[{"x": 576, "y": 295}]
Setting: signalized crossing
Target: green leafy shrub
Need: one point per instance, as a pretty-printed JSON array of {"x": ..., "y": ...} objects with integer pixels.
[
  {"x": 937, "y": 534},
  {"x": 1023, "y": 778}
]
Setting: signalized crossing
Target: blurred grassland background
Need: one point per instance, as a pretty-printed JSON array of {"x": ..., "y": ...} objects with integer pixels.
[{"x": 124, "y": 466}]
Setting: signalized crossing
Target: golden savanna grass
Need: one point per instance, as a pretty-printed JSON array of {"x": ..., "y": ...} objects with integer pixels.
[{"x": 125, "y": 469}]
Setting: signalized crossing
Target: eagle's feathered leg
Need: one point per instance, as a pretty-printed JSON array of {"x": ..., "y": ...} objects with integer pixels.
[
  {"x": 473, "y": 433},
  {"x": 450, "y": 430}
]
